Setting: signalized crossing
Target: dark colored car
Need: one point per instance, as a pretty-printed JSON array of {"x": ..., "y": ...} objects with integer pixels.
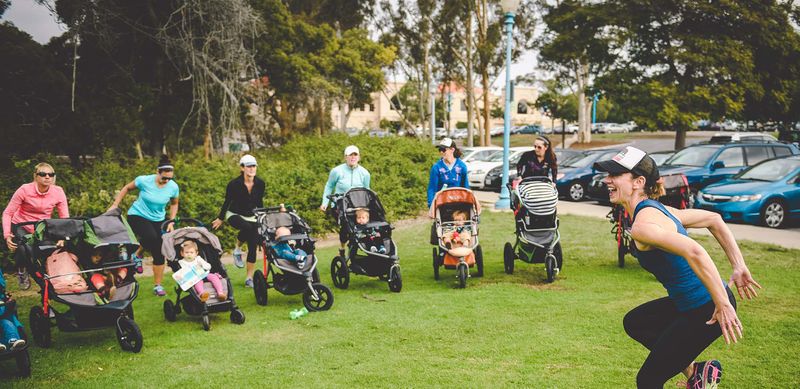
[
  {"x": 705, "y": 164},
  {"x": 767, "y": 194},
  {"x": 493, "y": 178},
  {"x": 575, "y": 174},
  {"x": 530, "y": 129}
]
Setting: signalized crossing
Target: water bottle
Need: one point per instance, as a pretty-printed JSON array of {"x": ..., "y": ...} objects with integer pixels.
[
  {"x": 298, "y": 313},
  {"x": 123, "y": 254}
]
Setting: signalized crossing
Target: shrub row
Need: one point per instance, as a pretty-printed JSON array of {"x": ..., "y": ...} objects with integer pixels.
[{"x": 294, "y": 174}]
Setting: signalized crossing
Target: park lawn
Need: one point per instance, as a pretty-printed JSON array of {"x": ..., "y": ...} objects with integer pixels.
[{"x": 502, "y": 330}]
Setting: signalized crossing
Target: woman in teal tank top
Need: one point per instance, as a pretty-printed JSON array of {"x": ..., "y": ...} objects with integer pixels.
[{"x": 699, "y": 307}]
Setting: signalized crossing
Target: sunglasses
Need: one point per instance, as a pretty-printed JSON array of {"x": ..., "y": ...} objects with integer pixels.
[
  {"x": 43, "y": 174},
  {"x": 167, "y": 178},
  {"x": 442, "y": 149},
  {"x": 539, "y": 147}
]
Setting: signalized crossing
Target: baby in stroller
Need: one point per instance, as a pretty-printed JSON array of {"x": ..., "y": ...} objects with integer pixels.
[
  {"x": 9, "y": 324},
  {"x": 370, "y": 236},
  {"x": 105, "y": 281},
  {"x": 189, "y": 252},
  {"x": 287, "y": 250},
  {"x": 459, "y": 235}
]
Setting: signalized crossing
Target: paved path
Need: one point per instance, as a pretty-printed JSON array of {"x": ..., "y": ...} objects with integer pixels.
[{"x": 789, "y": 238}]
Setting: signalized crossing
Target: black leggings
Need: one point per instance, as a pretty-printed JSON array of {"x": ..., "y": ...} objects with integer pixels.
[
  {"x": 149, "y": 235},
  {"x": 248, "y": 232},
  {"x": 674, "y": 338}
]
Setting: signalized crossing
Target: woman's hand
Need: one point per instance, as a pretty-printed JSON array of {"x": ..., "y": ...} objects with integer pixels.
[
  {"x": 216, "y": 223},
  {"x": 744, "y": 282},
  {"x": 10, "y": 243},
  {"x": 60, "y": 244},
  {"x": 728, "y": 322},
  {"x": 171, "y": 227},
  {"x": 323, "y": 207}
]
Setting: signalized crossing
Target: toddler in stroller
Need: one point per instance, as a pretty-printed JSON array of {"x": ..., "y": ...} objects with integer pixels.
[
  {"x": 455, "y": 212},
  {"x": 187, "y": 250},
  {"x": 12, "y": 335},
  {"x": 289, "y": 277},
  {"x": 371, "y": 250},
  {"x": 534, "y": 203},
  {"x": 286, "y": 249}
]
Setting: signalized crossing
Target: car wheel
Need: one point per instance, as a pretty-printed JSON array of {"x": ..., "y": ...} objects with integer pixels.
[
  {"x": 576, "y": 191},
  {"x": 774, "y": 214}
]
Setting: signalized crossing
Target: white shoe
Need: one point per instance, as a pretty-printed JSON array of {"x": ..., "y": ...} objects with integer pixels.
[{"x": 17, "y": 343}]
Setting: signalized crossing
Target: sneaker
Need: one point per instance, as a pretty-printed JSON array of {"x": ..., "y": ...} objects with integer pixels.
[
  {"x": 204, "y": 297},
  {"x": 24, "y": 280},
  {"x": 373, "y": 249},
  {"x": 138, "y": 261},
  {"x": 17, "y": 344},
  {"x": 382, "y": 250},
  {"x": 2, "y": 347},
  {"x": 237, "y": 258},
  {"x": 159, "y": 291},
  {"x": 707, "y": 375},
  {"x": 222, "y": 297},
  {"x": 248, "y": 283}
]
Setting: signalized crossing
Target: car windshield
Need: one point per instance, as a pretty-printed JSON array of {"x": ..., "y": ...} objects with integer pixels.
[
  {"x": 773, "y": 170},
  {"x": 482, "y": 155},
  {"x": 692, "y": 156},
  {"x": 659, "y": 158},
  {"x": 499, "y": 156}
]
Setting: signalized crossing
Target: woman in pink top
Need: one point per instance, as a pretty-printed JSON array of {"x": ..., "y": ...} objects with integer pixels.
[{"x": 32, "y": 202}]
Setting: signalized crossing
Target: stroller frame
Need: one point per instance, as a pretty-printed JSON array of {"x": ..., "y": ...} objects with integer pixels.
[
  {"x": 526, "y": 249},
  {"x": 371, "y": 264},
  {"x": 290, "y": 280},
  {"x": 460, "y": 259}
]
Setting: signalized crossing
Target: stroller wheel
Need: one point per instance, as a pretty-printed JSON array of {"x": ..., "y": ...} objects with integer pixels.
[
  {"x": 40, "y": 327},
  {"x": 435, "y": 264},
  {"x": 206, "y": 322},
  {"x": 550, "y": 267},
  {"x": 24, "y": 364},
  {"x": 479, "y": 261},
  {"x": 237, "y": 316},
  {"x": 395, "y": 279},
  {"x": 462, "y": 275},
  {"x": 169, "y": 310},
  {"x": 559, "y": 257},
  {"x": 322, "y": 303},
  {"x": 340, "y": 273},
  {"x": 128, "y": 334},
  {"x": 260, "y": 288},
  {"x": 508, "y": 258}
]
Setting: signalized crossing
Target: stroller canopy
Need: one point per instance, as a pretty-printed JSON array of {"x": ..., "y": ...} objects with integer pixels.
[
  {"x": 176, "y": 237},
  {"x": 537, "y": 196},
  {"x": 108, "y": 228},
  {"x": 453, "y": 196},
  {"x": 364, "y": 198}
]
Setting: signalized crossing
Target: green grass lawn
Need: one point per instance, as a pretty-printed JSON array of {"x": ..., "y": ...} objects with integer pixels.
[{"x": 500, "y": 331}]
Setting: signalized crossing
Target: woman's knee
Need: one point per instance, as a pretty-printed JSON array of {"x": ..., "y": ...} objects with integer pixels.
[{"x": 630, "y": 323}]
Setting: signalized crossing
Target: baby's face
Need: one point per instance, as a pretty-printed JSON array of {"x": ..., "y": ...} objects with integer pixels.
[
  {"x": 459, "y": 219},
  {"x": 362, "y": 218},
  {"x": 96, "y": 257},
  {"x": 189, "y": 253}
]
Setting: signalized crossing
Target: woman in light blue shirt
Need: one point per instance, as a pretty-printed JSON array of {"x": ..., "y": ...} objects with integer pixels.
[
  {"x": 343, "y": 178},
  {"x": 147, "y": 213}
]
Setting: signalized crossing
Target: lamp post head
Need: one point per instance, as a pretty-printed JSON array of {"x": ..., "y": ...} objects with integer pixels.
[{"x": 509, "y": 6}]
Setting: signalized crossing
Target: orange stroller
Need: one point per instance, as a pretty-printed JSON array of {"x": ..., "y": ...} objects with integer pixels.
[{"x": 457, "y": 247}]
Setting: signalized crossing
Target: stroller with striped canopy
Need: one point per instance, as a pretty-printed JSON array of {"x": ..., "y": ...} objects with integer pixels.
[{"x": 534, "y": 203}]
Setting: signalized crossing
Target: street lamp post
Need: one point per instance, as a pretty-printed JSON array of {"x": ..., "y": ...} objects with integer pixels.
[{"x": 509, "y": 8}]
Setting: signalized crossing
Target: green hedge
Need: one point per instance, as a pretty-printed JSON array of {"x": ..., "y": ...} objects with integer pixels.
[{"x": 294, "y": 174}]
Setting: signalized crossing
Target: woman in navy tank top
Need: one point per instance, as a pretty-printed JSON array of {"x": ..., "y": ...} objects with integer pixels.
[{"x": 699, "y": 307}]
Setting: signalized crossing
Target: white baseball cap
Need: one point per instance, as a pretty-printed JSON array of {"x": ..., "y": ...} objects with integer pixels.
[
  {"x": 248, "y": 160},
  {"x": 632, "y": 160},
  {"x": 352, "y": 149},
  {"x": 446, "y": 142}
]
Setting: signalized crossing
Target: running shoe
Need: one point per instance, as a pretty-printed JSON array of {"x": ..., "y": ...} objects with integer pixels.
[
  {"x": 138, "y": 262},
  {"x": 24, "y": 280},
  {"x": 159, "y": 291},
  {"x": 237, "y": 258},
  {"x": 707, "y": 375},
  {"x": 16, "y": 343},
  {"x": 248, "y": 283},
  {"x": 2, "y": 347}
]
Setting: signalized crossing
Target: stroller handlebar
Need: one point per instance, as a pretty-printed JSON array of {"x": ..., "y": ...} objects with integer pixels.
[{"x": 179, "y": 220}]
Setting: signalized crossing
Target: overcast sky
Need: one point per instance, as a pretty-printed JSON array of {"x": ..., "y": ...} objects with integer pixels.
[{"x": 37, "y": 21}]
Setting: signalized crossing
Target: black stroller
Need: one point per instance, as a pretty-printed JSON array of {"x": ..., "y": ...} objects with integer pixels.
[
  {"x": 361, "y": 259},
  {"x": 86, "y": 309},
  {"x": 8, "y": 311},
  {"x": 537, "y": 238},
  {"x": 287, "y": 277},
  {"x": 210, "y": 249}
]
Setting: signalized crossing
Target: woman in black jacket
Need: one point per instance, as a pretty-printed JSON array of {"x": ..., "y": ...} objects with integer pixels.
[
  {"x": 243, "y": 194},
  {"x": 539, "y": 162}
]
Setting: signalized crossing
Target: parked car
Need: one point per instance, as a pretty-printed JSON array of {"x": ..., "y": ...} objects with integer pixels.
[
  {"x": 659, "y": 157},
  {"x": 742, "y": 137},
  {"x": 612, "y": 128},
  {"x": 477, "y": 170},
  {"x": 495, "y": 176},
  {"x": 705, "y": 164},
  {"x": 377, "y": 133},
  {"x": 575, "y": 174},
  {"x": 599, "y": 128},
  {"x": 767, "y": 193},
  {"x": 496, "y": 131},
  {"x": 460, "y": 133},
  {"x": 531, "y": 129},
  {"x": 478, "y": 154}
]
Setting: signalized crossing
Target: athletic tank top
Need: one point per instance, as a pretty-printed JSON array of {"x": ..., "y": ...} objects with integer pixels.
[{"x": 673, "y": 271}]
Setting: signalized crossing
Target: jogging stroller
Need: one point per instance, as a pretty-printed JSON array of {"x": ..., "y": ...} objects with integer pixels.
[
  {"x": 534, "y": 203},
  {"x": 677, "y": 196},
  {"x": 210, "y": 249},
  {"x": 447, "y": 202},
  {"x": 287, "y": 277},
  {"x": 361, "y": 259},
  {"x": 86, "y": 309},
  {"x": 8, "y": 311}
]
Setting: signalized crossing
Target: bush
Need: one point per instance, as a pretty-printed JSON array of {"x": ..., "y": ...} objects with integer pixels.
[{"x": 294, "y": 174}]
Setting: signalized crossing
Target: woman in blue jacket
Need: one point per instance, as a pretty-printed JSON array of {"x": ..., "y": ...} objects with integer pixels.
[{"x": 448, "y": 172}]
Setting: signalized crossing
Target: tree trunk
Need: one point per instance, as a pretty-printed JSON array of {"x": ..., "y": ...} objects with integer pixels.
[
  {"x": 207, "y": 145},
  {"x": 486, "y": 108},
  {"x": 584, "y": 106},
  {"x": 470, "y": 86},
  {"x": 680, "y": 138}
]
